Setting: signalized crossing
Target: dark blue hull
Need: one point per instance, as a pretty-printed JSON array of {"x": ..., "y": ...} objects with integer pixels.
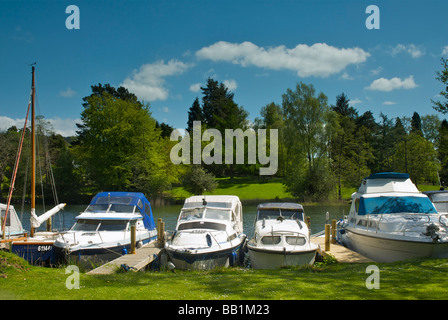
[{"x": 35, "y": 253}]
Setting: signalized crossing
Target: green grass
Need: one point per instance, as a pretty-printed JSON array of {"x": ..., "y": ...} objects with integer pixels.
[
  {"x": 418, "y": 279},
  {"x": 244, "y": 188}
]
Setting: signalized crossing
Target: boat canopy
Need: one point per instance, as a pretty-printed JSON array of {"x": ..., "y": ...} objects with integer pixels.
[
  {"x": 124, "y": 202},
  {"x": 388, "y": 182},
  {"x": 394, "y": 204},
  {"x": 273, "y": 210},
  {"x": 13, "y": 224}
]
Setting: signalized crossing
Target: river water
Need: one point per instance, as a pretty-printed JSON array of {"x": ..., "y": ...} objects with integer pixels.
[{"x": 169, "y": 213}]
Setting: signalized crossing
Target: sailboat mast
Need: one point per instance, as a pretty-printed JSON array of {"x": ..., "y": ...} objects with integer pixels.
[{"x": 33, "y": 148}]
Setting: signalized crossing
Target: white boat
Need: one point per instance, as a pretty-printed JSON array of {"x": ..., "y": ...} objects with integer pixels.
[
  {"x": 281, "y": 237},
  {"x": 103, "y": 231},
  {"x": 390, "y": 220},
  {"x": 209, "y": 233}
]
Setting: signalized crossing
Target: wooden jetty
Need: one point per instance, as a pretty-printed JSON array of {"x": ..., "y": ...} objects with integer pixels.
[
  {"x": 328, "y": 245},
  {"x": 137, "y": 259}
]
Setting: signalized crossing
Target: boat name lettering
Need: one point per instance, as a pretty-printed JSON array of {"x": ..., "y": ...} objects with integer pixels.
[{"x": 43, "y": 248}]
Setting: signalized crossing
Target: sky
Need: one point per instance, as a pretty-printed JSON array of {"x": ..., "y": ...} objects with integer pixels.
[{"x": 164, "y": 51}]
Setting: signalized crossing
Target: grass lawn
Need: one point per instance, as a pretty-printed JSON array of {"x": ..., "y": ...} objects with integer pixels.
[
  {"x": 418, "y": 279},
  {"x": 245, "y": 188}
]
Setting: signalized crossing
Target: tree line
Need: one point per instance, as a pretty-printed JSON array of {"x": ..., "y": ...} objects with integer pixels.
[{"x": 322, "y": 146}]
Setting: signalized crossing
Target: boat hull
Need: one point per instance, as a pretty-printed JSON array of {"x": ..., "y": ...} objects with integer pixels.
[
  {"x": 380, "y": 248},
  {"x": 36, "y": 253},
  {"x": 261, "y": 258},
  {"x": 186, "y": 259}
]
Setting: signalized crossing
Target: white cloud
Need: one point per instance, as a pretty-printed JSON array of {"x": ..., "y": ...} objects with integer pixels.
[
  {"x": 320, "y": 59},
  {"x": 230, "y": 84},
  {"x": 196, "y": 87},
  {"x": 65, "y": 127},
  {"x": 445, "y": 51},
  {"x": 166, "y": 109},
  {"x": 383, "y": 84},
  {"x": 389, "y": 103},
  {"x": 412, "y": 49},
  {"x": 148, "y": 82},
  {"x": 355, "y": 101},
  {"x": 67, "y": 93}
]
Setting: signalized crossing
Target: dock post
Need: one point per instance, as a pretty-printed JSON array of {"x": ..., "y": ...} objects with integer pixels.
[
  {"x": 161, "y": 232},
  {"x": 133, "y": 232},
  {"x": 327, "y": 237},
  {"x": 333, "y": 231}
]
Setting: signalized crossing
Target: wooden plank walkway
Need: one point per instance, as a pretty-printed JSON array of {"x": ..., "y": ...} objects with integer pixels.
[
  {"x": 142, "y": 257},
  {"x": 341, "y": 253}
]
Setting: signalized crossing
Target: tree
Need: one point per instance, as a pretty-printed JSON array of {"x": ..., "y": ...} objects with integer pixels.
[
  {"x": 442, "y": 76},
  {"x": 194, "y": 114},
  {"x": 416, "y": 124},
  {"x": 120, "y": 147},
  {"x": 306, "y": 137},
  {"x": 442, "y": 152},
  {"x": 197, "y": 180}
]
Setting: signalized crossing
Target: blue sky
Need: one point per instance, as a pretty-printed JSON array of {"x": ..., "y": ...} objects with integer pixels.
[{"x": 163, "y": 51}]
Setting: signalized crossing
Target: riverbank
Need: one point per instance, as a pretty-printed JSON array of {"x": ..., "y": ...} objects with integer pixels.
[{"x": 409, "y": 280}]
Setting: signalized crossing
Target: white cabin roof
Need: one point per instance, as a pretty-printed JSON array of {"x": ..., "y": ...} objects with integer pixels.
[{"x": 388, "y": 182}]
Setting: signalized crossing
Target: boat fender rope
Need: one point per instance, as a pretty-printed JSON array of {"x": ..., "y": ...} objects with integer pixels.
[{"x": 126, "y": 268}]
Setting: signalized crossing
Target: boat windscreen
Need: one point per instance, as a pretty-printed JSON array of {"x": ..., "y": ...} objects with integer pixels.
[
  {"x": 275, "y": 213},
  {"x": 390, "y": 204},
  {"x": 122, "y": 208}
]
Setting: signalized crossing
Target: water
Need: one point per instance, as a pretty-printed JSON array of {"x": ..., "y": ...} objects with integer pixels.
[{"x": 66, "y": 218}]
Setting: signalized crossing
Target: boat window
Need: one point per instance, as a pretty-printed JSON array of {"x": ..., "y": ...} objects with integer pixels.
[
  {"x": 191, "y": 214},
  {"x": 275, "y": 213},
  {"x": 113, "y": 225},
  {"x": 202, "y": 225},
  {"x": 270, "y": 240},
  {"x": 295, "y": 241},
  {"x": 85, "y": 225},
  {"x": 110, "y": 208},
  {"x": 217, "y": 214},
  {"x": 439, "y": 197},
  {"x": 405, "y": 204},
  {"x": 116, "y": 200}
]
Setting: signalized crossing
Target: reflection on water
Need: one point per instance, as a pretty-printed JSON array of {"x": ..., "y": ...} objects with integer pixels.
[{"x": 66, "y": 218}]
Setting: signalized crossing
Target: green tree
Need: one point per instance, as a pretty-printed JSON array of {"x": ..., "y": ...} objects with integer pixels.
[
  {"x": 306, "y": 137},
  {"x": 197, "y": 180},
  {"x": 120, "y": 147},
  {"x": 442, "y": 152},
  {"x": 442, "y": 76}
]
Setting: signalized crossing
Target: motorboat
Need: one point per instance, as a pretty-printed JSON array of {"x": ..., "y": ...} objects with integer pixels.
[
  {"x": 391, "y": 220},
  {"x": 103, "y": 231},
  {"x": 281, "y": 237},
  {"x": 440, "y": 199},
  {"x": 208, "y": 234}
]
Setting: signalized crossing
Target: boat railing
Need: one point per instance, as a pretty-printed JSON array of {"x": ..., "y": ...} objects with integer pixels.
[{"x": 378, "y": 221}]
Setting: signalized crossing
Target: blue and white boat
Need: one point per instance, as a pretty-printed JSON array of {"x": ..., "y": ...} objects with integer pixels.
[
  {"x": 103, "y": 231},
  {"x": 390, "y": 220},
  {"x": 209, "y": 234}
]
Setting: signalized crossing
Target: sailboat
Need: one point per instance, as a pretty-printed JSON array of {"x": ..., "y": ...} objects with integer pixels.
[{"x": 35, "y": 247}]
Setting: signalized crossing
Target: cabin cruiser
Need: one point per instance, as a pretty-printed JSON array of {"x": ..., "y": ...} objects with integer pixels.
[
  {"x": 390, "y": 220},
  {"x": 103, "y": 231},
  {"x": 209, "y": 233},
  {"x": 281, "y": 237}
]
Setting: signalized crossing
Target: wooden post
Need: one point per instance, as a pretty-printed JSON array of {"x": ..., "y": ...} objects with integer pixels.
[
  {"x": 133, "y": 232},
  {"x": 333, "y": 231},
  {"x": 308, "y": 222},
  {"x": 327, "y": 237}
]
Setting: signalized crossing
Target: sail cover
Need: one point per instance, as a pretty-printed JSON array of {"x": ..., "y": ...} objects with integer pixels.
[{"x": 13, "y": 224}]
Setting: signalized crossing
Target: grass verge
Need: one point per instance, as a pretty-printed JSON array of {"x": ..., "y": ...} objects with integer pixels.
[{"x": 417, "y": 279}]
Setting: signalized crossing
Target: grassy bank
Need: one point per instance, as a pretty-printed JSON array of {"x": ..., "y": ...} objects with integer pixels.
[{"x": 419, "y": 279}]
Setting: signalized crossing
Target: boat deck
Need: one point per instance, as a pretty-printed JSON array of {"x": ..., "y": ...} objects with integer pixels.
[
  {"x": 142, "y": 257},
  {"x": 341, "y": 253}
]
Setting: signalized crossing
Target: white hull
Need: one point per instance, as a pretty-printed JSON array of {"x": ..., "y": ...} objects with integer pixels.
[
  {"x": 262, "y": 258},
  {"x": 206, "y": 258},
  {"x": 381, "y": 248}
]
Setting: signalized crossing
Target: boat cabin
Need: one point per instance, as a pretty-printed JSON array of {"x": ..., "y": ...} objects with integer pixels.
[{"x": 275, "y": 210}]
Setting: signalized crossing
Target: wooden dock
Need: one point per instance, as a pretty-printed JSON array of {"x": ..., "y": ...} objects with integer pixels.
[
  {"x": 341, "y": 253},
  {"x": 137, "y": 261}
]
